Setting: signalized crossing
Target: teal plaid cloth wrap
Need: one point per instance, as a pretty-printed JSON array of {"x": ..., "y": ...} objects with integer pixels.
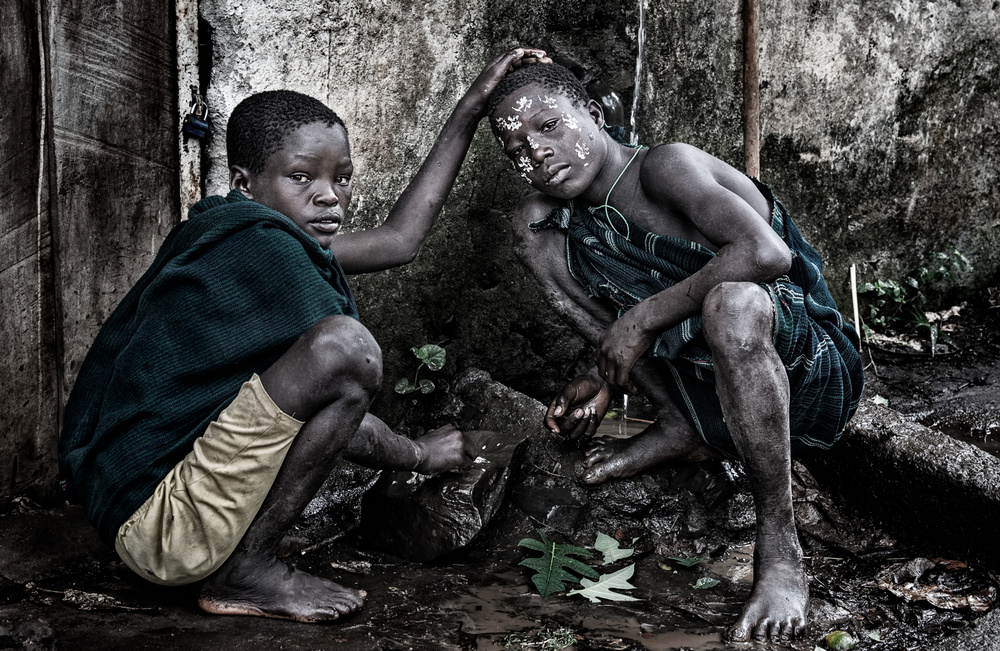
[{"x": 623, "y": 263}]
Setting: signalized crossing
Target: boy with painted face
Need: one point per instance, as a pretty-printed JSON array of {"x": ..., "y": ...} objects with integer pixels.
[
  {"x": 697, "y": 289},
  {"x": 218, "y": 396}
]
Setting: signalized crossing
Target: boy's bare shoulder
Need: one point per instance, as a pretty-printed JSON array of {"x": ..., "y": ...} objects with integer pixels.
[
  {"x": 669, "y": 170},
  {"x": 676, "y": 158}
]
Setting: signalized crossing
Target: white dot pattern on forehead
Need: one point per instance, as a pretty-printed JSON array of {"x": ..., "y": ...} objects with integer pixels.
[
  {"x": 522, "y": 104},
  {"x": 549, "y": 102}
]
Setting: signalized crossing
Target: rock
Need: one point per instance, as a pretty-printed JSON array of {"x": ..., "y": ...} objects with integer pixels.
[
  {"x": 422, "y": 518},
  {"x": 554, "y": 508},
  {"x": 917, "y": 482}
]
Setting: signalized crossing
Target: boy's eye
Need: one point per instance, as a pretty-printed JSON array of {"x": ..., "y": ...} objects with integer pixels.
[
  {"x": 343, "y": 180},
  {"x": 514, "y": 153},
  {"x": 299, "y": 178},
  {"x": 550, "y": 125}
]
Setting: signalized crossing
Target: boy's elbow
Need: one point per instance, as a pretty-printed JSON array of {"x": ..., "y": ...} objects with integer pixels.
[{"x": 773, "y": 261}]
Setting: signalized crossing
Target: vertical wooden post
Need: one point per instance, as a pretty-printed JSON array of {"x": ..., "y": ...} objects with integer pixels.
[
  {"x": 187, "y": 77},
  {"x": 751, "y": 85}
]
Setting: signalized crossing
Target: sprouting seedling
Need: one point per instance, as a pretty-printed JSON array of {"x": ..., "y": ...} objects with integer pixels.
[
  {"x": 688, "y": 561},
  {"x": 430, "y": 355}
]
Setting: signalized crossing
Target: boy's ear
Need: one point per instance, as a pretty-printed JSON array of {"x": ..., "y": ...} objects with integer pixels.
[
  {"x": 597, "y": 112},
  {"x": 239, "y": 179}
]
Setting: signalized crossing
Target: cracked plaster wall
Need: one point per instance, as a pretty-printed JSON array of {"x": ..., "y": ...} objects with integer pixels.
[{"x": 879, "y": 129}]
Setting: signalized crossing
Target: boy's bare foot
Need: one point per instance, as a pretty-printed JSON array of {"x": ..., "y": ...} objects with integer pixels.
[
  {"x": 443, "y": 449},
  {"x": 776, "y": 609},
  {"x": 608, "y": 458},
  {"x": 274, "y": 589}
]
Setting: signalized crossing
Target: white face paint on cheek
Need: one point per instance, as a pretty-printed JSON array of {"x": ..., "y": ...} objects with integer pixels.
[
  {"x": 570, "y": 121},
  {"x": 533, "y": 143},
  {"x": 525, "y": 164},
  {"x": 582, "y": 150}
]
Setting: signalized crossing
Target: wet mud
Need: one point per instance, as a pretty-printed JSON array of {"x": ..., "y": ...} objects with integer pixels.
[{"x": 60, "y": 588}]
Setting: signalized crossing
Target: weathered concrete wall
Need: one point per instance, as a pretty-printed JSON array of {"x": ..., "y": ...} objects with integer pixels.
[
  {"x": 880, "y": 125},
  {"x": 879, "y": 131}
]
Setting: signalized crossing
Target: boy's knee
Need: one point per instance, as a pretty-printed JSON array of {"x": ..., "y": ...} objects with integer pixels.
[
  {"x": 341, "y": 346},
  {"x": 737, "y": 316}
]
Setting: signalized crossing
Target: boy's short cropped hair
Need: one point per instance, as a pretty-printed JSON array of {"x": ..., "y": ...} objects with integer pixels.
[
  {"x": 260, "y": 123},
  {"x": 552, "y": 76}
]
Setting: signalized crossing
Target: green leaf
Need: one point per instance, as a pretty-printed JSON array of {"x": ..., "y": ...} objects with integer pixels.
[
  {"x": 839, "y": 641},
  {"x": 610, "y": 548},
  {"x": 432, "y": 355},
  {"x": 875, "y": 636},
  {"x": 404, "y": 386},
  {"x": 603, "y": 586},
  {"x": 705, "y": 583},
  {"x": 425, "y": 386},
  {"x": 552, "y": 569},
  {"x": 688, "y": 561}
]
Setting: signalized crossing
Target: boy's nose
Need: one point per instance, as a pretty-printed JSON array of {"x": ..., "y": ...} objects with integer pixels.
[
  {"x": 540, "y": 154},
  {"x": 326, "y": 195}
]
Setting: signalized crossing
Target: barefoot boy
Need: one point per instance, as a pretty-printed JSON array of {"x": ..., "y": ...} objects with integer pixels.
[
  {"x": 225, "y": 386},
  {"x": 696, "y": 288}
]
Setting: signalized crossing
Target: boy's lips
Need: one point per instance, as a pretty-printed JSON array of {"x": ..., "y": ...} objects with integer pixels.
[
  {"x": 557, "y": 173},
  {"x": 327, "y": 223}
]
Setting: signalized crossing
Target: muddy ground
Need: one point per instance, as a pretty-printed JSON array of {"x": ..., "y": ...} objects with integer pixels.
[{"x": 60, "y": 588}]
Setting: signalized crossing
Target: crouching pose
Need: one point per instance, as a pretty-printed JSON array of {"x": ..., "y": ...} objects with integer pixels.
[
  {"x": 220, "y": 393},
  {"x": 697, "y": 289}
]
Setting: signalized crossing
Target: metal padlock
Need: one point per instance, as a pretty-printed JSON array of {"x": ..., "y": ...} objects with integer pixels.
[{"x": 196, "y": 121}]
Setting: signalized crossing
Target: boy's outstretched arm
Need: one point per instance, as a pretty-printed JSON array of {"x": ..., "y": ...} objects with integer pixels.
[
  {"x": 707, "y": 192},
  {"x": 398, "y": 239}
]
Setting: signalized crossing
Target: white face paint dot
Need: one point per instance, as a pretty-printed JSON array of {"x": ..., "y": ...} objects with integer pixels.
[
  {"x": 570, "y": 121},
  {"x": 549, "y": 102},
  {"x": 509, "y": 123},
  {"x": 533, "y": 143},
  {"x": 582, "y": 150},
  {"x": 522, "y": 104}
]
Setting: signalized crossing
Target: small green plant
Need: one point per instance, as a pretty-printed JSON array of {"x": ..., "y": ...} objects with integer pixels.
[
  {"x": 555, "y": 568},
  {"x": 430, "y": 355},
  {"x": 688, "y": 561},
  {"x": 552, "y": 569},
  {"x": 900, "y": 306}
]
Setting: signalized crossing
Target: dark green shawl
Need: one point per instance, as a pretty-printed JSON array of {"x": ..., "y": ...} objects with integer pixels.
[{"x": 229, "y": 291}]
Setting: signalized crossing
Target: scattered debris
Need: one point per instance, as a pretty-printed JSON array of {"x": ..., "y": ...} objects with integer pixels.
[{"x": 944, "y": 584}]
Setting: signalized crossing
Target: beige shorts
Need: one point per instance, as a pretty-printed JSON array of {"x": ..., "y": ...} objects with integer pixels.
[{"x": 200, "y": 511}]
